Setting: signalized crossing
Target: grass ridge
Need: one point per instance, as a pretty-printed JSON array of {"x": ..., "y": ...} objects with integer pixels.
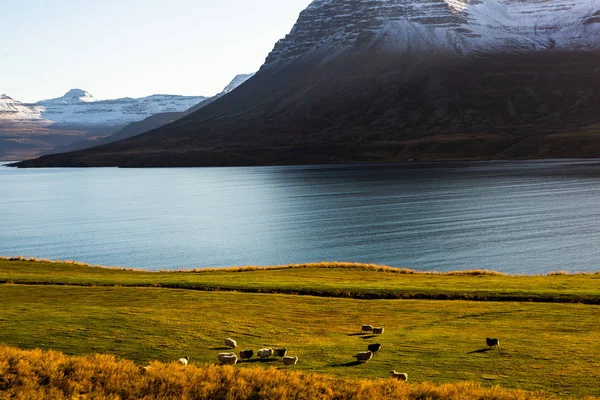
[
  {"x": 323, "y": 265},
  {"x": 340, "y": 280},
  {"x": 337, "y": 294}
]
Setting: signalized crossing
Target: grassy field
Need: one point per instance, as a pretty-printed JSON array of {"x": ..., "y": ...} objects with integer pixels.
[
  {"x": 554, "y": 347},
  {"x": 326, "y": 279}
]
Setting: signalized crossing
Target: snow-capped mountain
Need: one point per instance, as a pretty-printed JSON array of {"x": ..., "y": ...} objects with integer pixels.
[
  {"x": 73, "y": 96},
  {"x": 28, "y": 130},
  {"x": 13, "y": 110},
  {"x": 78, "y": 107},
  {"x": 236, "y": 81},
  {"x": 457, "y": 26}
]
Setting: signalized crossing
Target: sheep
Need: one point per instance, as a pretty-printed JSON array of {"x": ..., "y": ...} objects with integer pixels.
[
  {"x": 401, "y": 376},
  {"x": 229, "y": 360},
  {"x": 492, "y": 342},
  {"x": 378, "y": 331},
  {"x": 281, "y": 352},
  {"x": 230, "y": 343},
  {"x": 246, "y": 354},
  {"x": 265, "y": 353},
  {"x": 287, "y": 360},
  {"x": 375, "y": 347},
  {"x": 364, "y": 356},
  {"x": 221, "y": 356},
  {"x": 184, "y": 360},
  {"x": 366, "y": 328}
]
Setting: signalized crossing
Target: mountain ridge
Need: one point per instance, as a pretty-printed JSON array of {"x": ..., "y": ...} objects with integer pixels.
[
  {"x": 153, "y": 121},
  {"x": 32, "y": 129}
]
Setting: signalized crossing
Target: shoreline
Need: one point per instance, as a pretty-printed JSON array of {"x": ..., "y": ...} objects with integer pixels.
[{"x": 322, "y": 265}]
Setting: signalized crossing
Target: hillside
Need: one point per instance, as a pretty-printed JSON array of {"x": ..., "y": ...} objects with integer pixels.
[
  {"x": 146, "y": 317},
  {"x": 390, "y": 81}
]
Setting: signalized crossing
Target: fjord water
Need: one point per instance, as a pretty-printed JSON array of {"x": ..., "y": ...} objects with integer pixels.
[{"x": 516, "y": 217}]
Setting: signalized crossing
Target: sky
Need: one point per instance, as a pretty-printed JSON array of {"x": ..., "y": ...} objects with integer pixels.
[{"x": 135, "y": 48}]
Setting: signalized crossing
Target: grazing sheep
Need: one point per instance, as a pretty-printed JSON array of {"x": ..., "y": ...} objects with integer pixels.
[
  {"x": 230, "y": 343},
  {"x": 399, "y": 375},
  {"x": 265, "y": 353},
  {"x": 366, "y": 328},
  {"x": 184, "y": 360},
  {"x": 280, "y": 352},
  {"x": 492, "y": 342},
  {"x": 221, "y": 356},
  {"x": 246, "y": 354},
  {"x": 364, "y": 356},
  {"x": 229, "y": 360},
  {"x": 378, "y": 331},
  {"x": 287, "y": 360},
  {"x": 375, "y": 347}
]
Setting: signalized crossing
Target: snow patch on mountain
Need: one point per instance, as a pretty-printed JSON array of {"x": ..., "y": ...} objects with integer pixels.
[
  {"x": 13, "y": 110},
  {"x": 457, "y": 26},
  {"x": 73, "y": 96},
  {"x": 236, "y": 81},
  {"x": 78, "y": 107}
]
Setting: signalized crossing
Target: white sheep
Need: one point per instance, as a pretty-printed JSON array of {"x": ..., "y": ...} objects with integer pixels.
[
  {"x": 401, "y": 376},
  {"x": 364, "y": 356},
  {"x": 220, "y": 356},
  {"x": 184, "y": 360},
  {"x": 287, "y": 360},
  {"x": 230, "y": 343},
  {"x": 265, "y": 353},
  {"x": 229, "y": 360}
]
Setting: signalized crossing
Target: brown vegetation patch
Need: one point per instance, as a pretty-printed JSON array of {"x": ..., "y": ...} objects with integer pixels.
[{"x": 43, "y": 375}]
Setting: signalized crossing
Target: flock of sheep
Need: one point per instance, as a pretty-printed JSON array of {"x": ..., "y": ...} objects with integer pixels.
[
  {"x": 373, "y": 348},
  {"x": 230, "y": 358}
]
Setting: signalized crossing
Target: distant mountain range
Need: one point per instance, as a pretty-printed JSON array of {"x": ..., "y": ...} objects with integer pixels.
[
  {"x": 32, "y": 129},
  {"x": 77, "y": 120},
  {"x": 150, "y": 123},
  {"x": 392, "y": 80},
  {"x": 79, "y": 108}
]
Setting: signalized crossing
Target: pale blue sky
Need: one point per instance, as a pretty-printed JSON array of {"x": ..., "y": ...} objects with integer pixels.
[{"x": 119, "y": 48}]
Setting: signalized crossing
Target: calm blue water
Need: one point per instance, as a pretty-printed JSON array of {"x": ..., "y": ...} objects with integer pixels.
[{"x": 517, "y": 217}]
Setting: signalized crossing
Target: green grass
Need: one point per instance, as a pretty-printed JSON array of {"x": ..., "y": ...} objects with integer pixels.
[
  {"x": 326, "y": 279},
  {"x": 543, "y": 346},
  {"x": 550, "y": 346}
]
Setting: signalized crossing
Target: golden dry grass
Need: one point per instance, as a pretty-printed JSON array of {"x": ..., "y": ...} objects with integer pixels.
[
  {"x": 40, "y": 374},
  {"x": 334, "y": 265}
]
